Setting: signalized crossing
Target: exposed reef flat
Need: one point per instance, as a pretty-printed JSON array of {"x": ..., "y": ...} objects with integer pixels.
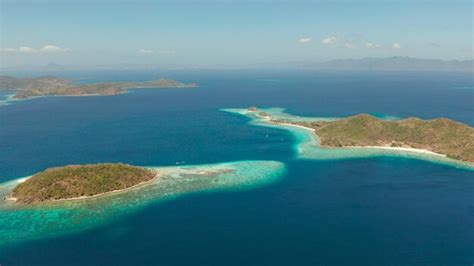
[
  {"x": 26, "y": 222},
  {"x": 308, "y": 144},
  {"x": 26, "y": 88}
]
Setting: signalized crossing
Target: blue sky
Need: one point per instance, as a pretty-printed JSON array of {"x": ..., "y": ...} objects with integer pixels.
[{"x": 230, "y": 32}]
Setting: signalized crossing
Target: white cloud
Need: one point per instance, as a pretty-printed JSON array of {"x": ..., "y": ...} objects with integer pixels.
[
  {"x": 52, "y": 49},
  {"x": 145, "y": 51},
  {"x": 350, "y": 46},
  {"x": 9, "y": 50},
  {"x": 29, "y": 50},
  {"x": 305, "y": 40},
  {"x": 370, "y": 45},
  {"x": 329, "y": 40},
  {"x": 396, "y": 46},
  {"x": 26, "y": 50}
]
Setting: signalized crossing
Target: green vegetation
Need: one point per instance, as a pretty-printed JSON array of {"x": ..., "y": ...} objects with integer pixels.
[
  {"x": 78, "y": 181},
  {"x": 444, "y": 136},
  {"x": 54, "y": 86}
]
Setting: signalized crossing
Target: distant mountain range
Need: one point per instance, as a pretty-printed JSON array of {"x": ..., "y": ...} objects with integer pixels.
[{"x": 396, "y": 63}]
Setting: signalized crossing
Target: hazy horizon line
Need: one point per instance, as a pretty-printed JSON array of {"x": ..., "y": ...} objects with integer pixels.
[{"x": 290, "y": 64}]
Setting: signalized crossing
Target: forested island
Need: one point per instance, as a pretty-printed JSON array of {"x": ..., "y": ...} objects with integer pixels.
[
  {"x": 54, "y": 86},
  {"x": 79, "y": 181},
  {"x": 441, "y": 135}
]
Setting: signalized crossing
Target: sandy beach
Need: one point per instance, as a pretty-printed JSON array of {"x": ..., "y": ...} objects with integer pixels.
[
  {"x": 293, "y": 125},
  {"x": 400, "y": 149},
  {"x": 158, "y": 173}
]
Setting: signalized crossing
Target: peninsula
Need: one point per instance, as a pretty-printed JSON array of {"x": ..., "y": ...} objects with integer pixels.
[
  {"x": 443, "y": 136},
  {"x": 54, "y": 86},
  {"x": 79, "y": 181}
]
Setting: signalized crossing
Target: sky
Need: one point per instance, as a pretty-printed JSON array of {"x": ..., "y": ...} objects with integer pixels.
[{"x": 210, "y": 32}]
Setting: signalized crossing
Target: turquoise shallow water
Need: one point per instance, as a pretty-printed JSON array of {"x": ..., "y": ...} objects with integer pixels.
[
  {"x": 21, "y": 223},
  {"x": 6, "y": 97},
  {"x": 307, "y": 144},
  {"x": 284, "y": 203}
]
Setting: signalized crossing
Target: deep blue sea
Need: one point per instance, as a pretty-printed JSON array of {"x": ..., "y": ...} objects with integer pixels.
[{"x": 373, "y": 211}]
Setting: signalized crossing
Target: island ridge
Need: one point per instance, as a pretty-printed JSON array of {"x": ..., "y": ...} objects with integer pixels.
[
  {"x": 79, "y": 181},
  {"x": 54, "y": 86},
  {"x": 443, "y": 136}
]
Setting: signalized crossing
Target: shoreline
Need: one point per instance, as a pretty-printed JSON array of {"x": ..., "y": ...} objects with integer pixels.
[
  {"x": 322, "y": 151},
  {"x": 402, "y": 149},
  {"x": 112, "y": 192},
  {"x": 399, "y": 149},
  {"x": 52, "y": 219},
  {"x": 405, "y": 149},
  {"x": 294, "y": 125},
  {"x": 58, "y": 95},
  {"x": 126, "y": 91}
]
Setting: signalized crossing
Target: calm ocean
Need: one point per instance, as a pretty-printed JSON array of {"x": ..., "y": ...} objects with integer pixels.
[{"x": 373, "y": 211}]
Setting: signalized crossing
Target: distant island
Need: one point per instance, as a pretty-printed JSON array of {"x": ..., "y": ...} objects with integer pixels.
[
  {"x": 79, "y": 181},
  {"x": 443, "y": 136},
  {"x": 384, "y": 64},
  {"x": 54, "y": 86},
  {"x": 394, "y": 63}
]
